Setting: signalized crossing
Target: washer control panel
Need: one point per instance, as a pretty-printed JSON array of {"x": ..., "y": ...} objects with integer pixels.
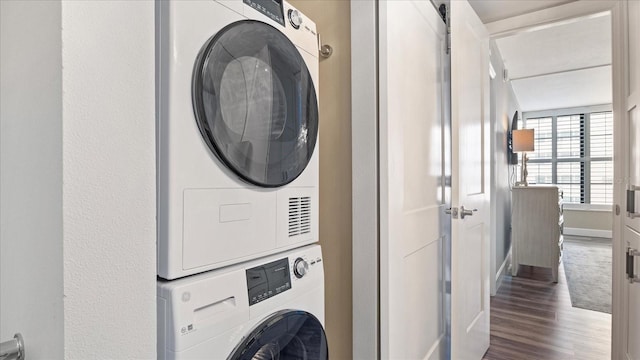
[
  {"x": 268, "y": 280},
  {"x": 271, "y": 8}
]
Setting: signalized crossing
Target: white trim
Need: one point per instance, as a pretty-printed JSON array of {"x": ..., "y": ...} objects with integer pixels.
[
  {"x": 365, "y": 242},
  {"x": 502, "y": 271},
  {"x": 588, "y": 232}
]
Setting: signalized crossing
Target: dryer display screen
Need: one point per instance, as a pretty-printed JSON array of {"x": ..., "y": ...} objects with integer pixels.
[
  {"x": 268, "y": 280},
  {"x": 271, "y": 8}
]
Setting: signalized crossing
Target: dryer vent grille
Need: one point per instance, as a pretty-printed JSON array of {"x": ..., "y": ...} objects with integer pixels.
[{"x": 299, "y": 216}]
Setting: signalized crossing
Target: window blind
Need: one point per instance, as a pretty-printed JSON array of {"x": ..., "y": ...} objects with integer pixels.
[
  {"x": 601, "y": 147},
  {"x": 574, "y": 152}
]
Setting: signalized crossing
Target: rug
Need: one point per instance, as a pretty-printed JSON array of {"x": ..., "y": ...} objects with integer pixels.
[{"x": 587, "y": 265}]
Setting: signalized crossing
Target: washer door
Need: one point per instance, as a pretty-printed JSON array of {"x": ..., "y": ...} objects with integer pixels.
[
  {"x": 255, "y": 103},
  {"x": 285, "y": 335}
]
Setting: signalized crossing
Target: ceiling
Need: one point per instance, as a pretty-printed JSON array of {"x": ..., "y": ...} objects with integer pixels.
[
  {"x": 559, "y": 66},
  {"x": 493, "y": 10}
]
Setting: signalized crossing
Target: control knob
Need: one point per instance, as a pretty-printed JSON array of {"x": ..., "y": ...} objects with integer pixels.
[
  {"x": 294, "y": 18},
  {"x": 300, "y": 268}
]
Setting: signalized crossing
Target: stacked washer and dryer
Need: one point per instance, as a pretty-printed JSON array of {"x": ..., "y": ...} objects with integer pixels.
[{"x": 237, "y": 130}]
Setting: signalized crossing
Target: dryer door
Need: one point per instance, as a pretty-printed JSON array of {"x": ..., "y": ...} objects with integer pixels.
[
  {"x": 255, "y": 103},
  {"x": 285, "y": 335}
]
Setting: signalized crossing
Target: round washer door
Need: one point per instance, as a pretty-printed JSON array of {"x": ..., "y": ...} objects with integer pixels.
[
  {"x": 285, "y": 335},
  {"x": 255, "y": 103}
]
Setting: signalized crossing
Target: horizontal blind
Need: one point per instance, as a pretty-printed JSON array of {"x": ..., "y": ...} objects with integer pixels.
[
  {"x": 601, "y": 148},
  {"x": 543, "y": 138},
  {"x": 570, "y": 178},
  {"x": 576, "y": 152},
  {"x": 539, "y": 173},
  {"x": 570, "y": 136}
]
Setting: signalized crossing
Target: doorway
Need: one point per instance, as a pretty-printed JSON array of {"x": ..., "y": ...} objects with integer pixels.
[{"x": 568, "y": 101}]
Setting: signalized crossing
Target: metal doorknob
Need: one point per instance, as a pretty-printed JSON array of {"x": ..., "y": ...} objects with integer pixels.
[
  {"x": 12, "y": 349},
  {"x": 466, "y": 212}
]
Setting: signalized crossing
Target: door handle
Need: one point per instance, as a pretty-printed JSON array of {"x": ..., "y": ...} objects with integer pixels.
[
  {"x": 12, "y": 349},
  {"x": 466, "y": 212},
  {"x": 631, "y": 202}
]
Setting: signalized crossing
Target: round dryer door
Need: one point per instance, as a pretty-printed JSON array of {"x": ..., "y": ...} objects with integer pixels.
[
  {"x": 285, "y": 335},
  {"x": 255, "y": 103}
]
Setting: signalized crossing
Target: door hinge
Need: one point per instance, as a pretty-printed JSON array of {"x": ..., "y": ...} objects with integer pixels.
[
  {"x": 444, "y": 13},
  {"x": 631, "y": 254},
  {"x": 632, "y": 212}
]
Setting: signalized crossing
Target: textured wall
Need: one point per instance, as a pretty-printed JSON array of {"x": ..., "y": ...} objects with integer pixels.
[
  {"x": 31, "y": 176},
  {"x": 333, "y": 22},
  {"x": 109, "y": 179}
]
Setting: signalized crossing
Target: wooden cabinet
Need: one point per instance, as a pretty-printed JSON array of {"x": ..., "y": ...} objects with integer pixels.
[{"x": 537, "y": 228}]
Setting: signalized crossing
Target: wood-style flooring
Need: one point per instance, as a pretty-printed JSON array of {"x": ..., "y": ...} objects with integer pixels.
[{"x": 532, "y": 318}]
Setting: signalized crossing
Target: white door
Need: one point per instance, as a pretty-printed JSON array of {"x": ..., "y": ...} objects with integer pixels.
[
  {"x": 412, "y": 223},
  {"x": 631, "y": 231},
  {"x": 470, "y": 183},
  {"x": 31, "y": 293}
]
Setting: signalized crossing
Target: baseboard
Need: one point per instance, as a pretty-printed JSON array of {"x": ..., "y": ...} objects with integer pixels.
[
  {"x": 588, "y": 232},
  {"x": 503, "y": 269}
]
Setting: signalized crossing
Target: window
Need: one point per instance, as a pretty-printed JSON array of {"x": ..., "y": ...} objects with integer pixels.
[{"x": 575, "y": 152}]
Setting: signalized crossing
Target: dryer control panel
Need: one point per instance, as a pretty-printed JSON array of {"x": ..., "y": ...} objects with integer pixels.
[{"x": 268, "y": 280}]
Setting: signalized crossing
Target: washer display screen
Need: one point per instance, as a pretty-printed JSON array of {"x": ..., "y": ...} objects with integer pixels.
[
  {"x": 255, "y": 103},
  {"x": 268, "y": 280},
  {"x": 271, "y": 8}
]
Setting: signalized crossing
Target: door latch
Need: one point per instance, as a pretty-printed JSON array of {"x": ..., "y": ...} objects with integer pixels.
[
  {"x": 631, "y": 254},
  {"x": 452, "y": 211}
]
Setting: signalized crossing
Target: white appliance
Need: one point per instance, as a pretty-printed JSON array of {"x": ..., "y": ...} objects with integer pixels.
[
  {"x": 237, "y": 130},
  {"x": 270, "y": 308}
]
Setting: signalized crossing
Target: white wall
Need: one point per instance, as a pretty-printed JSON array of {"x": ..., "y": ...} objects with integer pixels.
[
  {"x": 503, "y": 105},
  {"x": 109, "y": 179},
  {"x": 31, "y": 176}
]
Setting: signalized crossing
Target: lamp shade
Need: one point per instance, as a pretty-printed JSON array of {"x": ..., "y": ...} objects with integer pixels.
[{"x": 523, "y": 140}]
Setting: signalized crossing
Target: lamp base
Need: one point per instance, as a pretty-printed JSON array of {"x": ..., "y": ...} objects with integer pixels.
[{"x": 523, "y": 171}]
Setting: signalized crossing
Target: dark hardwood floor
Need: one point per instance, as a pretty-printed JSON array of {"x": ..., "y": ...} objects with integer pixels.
[{"x": 532, "y": 318}]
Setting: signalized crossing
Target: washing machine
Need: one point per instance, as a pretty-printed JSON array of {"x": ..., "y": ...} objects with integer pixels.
[
  {"x": 237, "y": 130},
  {"x": 270, "y": 308}
]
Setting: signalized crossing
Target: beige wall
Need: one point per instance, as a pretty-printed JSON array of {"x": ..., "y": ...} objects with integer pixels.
[
  {"x": 333, "y": 22},
  {"x": 582, "y": 219}
]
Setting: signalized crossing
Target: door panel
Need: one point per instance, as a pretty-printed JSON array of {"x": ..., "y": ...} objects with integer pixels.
[
  {"x": 470, "y": 177},
  {"x": 412, "y": 302}
]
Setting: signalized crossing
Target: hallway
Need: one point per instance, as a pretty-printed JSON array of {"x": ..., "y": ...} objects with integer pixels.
[{"x": 532, "y": 318}]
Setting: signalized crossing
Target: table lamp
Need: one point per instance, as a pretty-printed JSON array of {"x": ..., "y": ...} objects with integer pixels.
[{"x": 523, "y": 143}]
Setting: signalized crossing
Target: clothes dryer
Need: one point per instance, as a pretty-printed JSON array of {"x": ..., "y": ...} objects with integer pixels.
[
  {"x": 271, "y": 308},
  {"x": 237, "y": 129}
]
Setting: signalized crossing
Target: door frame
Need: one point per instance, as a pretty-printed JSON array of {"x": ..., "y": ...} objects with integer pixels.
[
  {"x": 365, "y": 180},
  {"x": 568, "y": 13}
]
